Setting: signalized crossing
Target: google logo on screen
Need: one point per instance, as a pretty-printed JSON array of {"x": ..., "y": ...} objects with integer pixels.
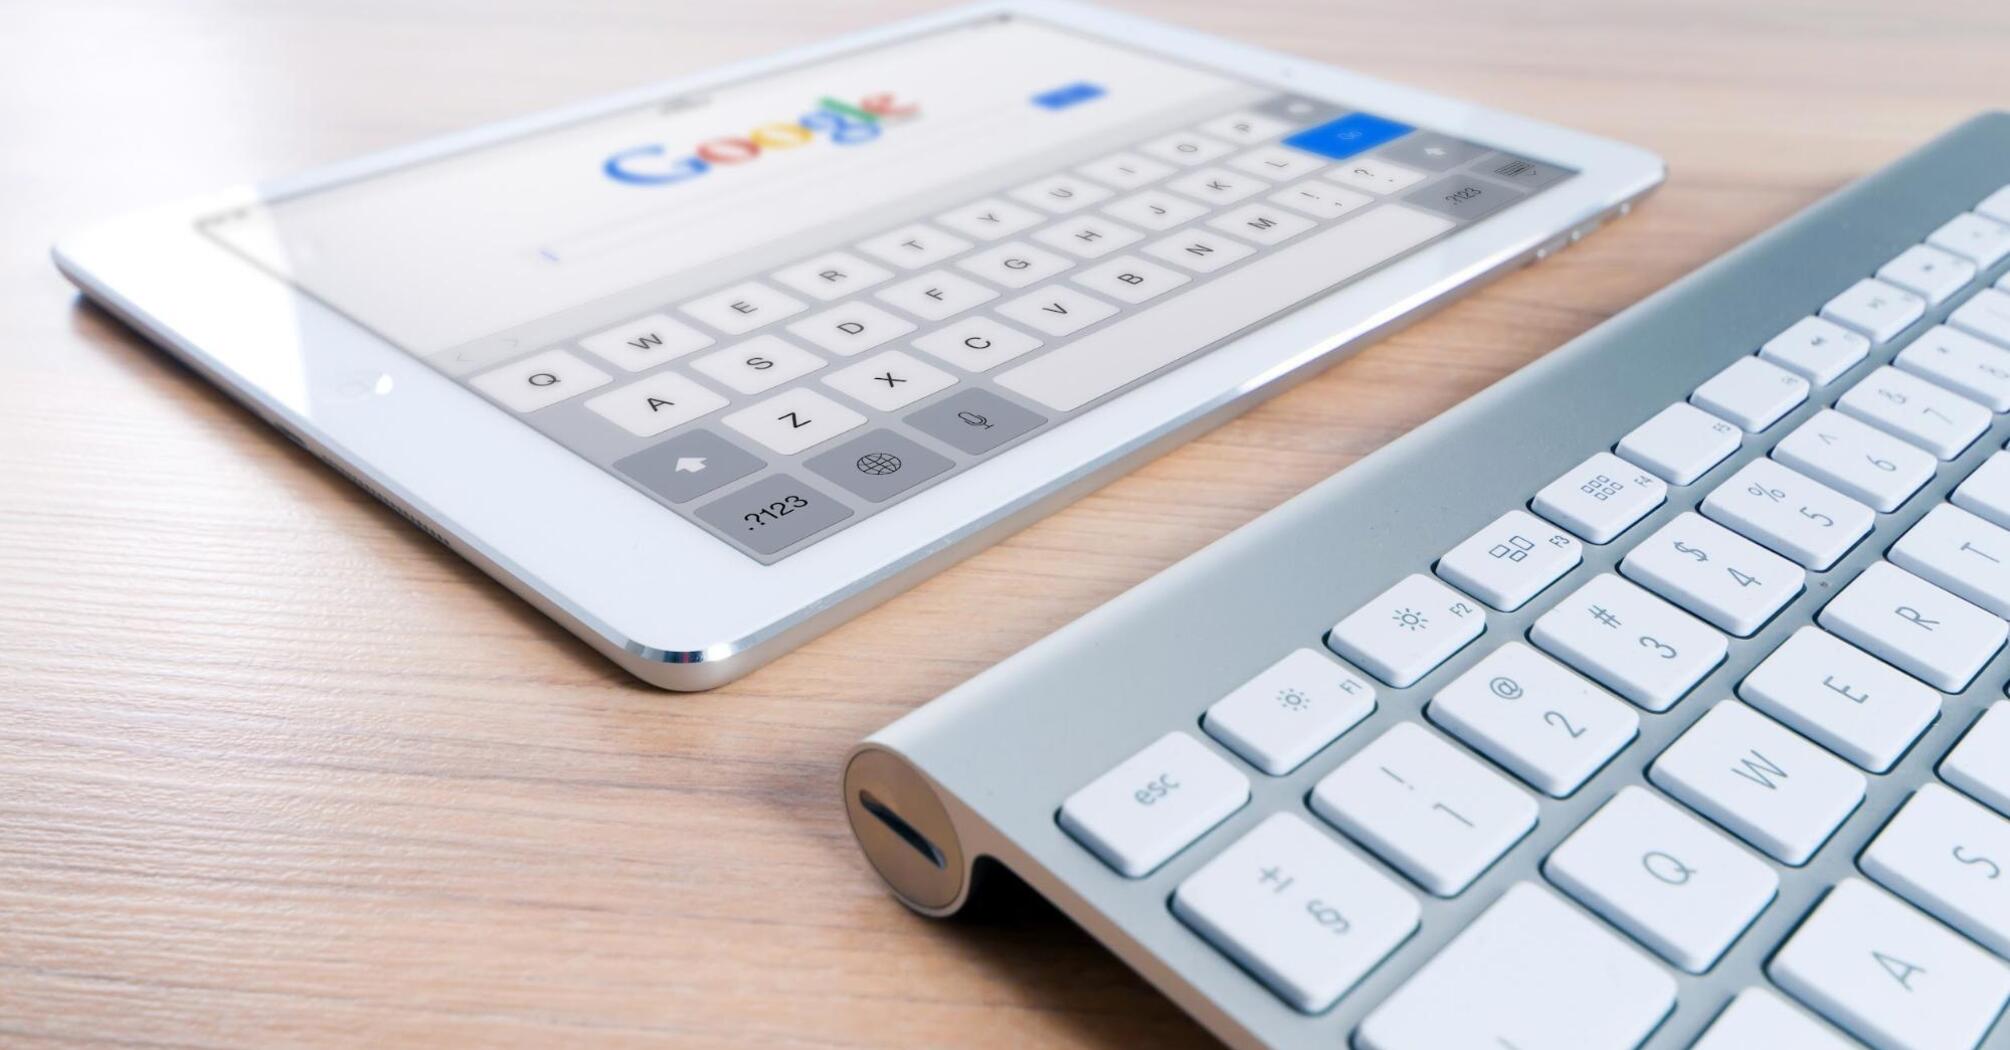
[{"x": 841, "y": 123}]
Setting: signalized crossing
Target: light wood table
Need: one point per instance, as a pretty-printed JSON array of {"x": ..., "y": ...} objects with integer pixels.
[{"x": 277, "y": 771}]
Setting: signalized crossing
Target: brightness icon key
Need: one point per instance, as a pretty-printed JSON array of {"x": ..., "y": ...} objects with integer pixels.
[{"x": 1408, "y": 630}]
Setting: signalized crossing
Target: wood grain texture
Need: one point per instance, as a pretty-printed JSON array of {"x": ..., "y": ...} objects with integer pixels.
[{"x": 275, "y": 770}]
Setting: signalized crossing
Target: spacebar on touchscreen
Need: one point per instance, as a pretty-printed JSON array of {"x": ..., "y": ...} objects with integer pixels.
[{"x": 1079, "y": 372}]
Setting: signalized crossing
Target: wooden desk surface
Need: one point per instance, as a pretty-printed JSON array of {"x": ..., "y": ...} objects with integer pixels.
[{"x": 275, "y": 770}]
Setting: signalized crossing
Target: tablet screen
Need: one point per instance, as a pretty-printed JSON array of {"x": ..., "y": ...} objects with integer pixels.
[{"x": 781, "y": 304}]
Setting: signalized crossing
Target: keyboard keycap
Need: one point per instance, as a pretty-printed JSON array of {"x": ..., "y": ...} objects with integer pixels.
[
  {"x": 1420, "y": 804},
  {"x": 1875, "y": 308},
  {"x": 1857, "y": 459},
  {"x": 851, "y": 328},
  {"x": 1218, "y": 186},
  {"x": 1088, "y": 238},
  {"x": 1987, "y": 315},
  {"x": 976, "y": 343},
  {"x": 889, "y": 381},
  {"x": 1715, "y": 573},
  {"x": 742, "y": 308},
  {"x": 540, "y": 380},
  {"x": 1186, "y": 148},
  {"x": 1905, "y": 405},
  {"x": 1762, "y": 781},
  {"x": 1245, "y": 128},
  {"x": 1511, "y": 560},
  {"x": 1633, "y": 643},
  {"x": 1842, "y": 698},
  {"x": 653, "y": 404},
  {"x": 1819, "y": 349},
  {"x": 1015, "y": 264},
  {"x": 1752, "y": 393},
  {"x": 990, "y": 219},
  {"x": 937, "y": 295},
  {"x": 1922, "y": 630},
  {"x": 1126, "y": 171},
  {"x": 1534, "y": 717},
  {"x": 1285, "y": 714},
  {"x": 1789, "y": 512},
  {"x": 1759, "y": 1020},
  {"x": 794, "y": 420},
  {"x": 1960, "y": 362},
  {"x": 1298, "y": 910},
  {"x": 1980, "y": 764},
  {"x": 1374, "y": 176},
  {"x": 1321, "y": 200},
  {"x": 1130, "y": 279},
  {"x": 1265, "y": 224},
  {"x": 760, "y": 363},
  {"x": 831, "y": 275},
  {"x": 913, "y": 246},
  {"x": 1154, "y": 804},
  {"x": 1681, "y": 443},
  {"x": 1959, "y": 552},
  {"x": 1407, "y": 630},
  {"x": 1996, "y": 205},
  {"x": 1601, "y": 498},
  {"x": 1889, "y": 975},
  {"x": 1530, "y": 973},
  {"x": 1061, "y": 194},
  {"x": 1663, "y": 876},
  {"x": 1948, "y": 856},
  {"x": 1277, "y": 163},
  {"x": 1202, "y": 251},
  {"x": 1973, "y": 237},
  {"x": 1929, "y": 271},
  {"x": 1986, "y": 492},
  {"x": 1156, "y": 210},
  {"x": 646, "y": 342}
]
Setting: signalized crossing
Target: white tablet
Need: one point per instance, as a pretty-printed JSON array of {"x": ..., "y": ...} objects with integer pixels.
[{"x": 704, "y": 368}]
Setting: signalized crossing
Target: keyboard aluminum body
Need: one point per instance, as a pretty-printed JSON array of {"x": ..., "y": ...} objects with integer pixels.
[{"x": 976, "y": 777}]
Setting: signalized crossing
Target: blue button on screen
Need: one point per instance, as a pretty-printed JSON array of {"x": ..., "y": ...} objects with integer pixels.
[
  {"x": 1069, "y": 95},
  {"x": 1347, "y": 136}
]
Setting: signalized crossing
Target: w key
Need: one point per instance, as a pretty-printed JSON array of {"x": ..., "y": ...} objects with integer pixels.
[{"x": 1714, "y": 573}]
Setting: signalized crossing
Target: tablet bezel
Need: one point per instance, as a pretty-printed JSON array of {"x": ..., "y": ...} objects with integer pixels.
[{"x": 669, "y": 601}]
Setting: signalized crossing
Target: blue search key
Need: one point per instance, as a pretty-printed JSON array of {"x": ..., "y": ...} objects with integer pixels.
[
  {"x": 1072, "y": 94},
  {"x": 1347, "y": 136}
]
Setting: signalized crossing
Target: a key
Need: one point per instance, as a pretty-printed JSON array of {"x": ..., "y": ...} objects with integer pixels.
[
  {"x": 1972, "y": 236},
  {"x": 1407, "y": 630},
  {"x": 1909, "y": 407},
  {"x": 1996, "y": 205},
  {"x": 1663, "y": 876},
  {"x": 1951, "y": 858},
  {"x": 1878, "y": 310},
  {"x": 1434, "y": 814},
  {"x": 1933, "y": 273},
  {"x": 1752, "y": 393},
  {"x": 1284, "y": 715},
  {"x": 1986, "y": 315},
  {"x": 1986, "y": 493},
  {"x": 1960, "y": 362},
  {"x": 1819, "y": 349},
  {"x": 1955, "y": 550},
  {"x": 937, "y": 295},
  {"x": 1601, "y": 498},
  {"x": 1922, "y": 630},
  {"x": 1760, "y": 780},
  {"x": 1218, "y": 186},
  {"x": 1681, "y": 443},
  {"x": 1760, "y": 1020},
  {"x": 1530, "y": 973},
  {"x": 1298, "y": 910},
  {"x": 1130, "y": 279},
  {"x": 1635, "y": 644},
  {"x": 1715, "y": 573},
  {"x": 1153, "y": 804},
  {"x": 1980, "y": 764},
  {"x": 1857, "y": 459},
  {"x": 1535, "y": 717},
  {"x": 1511, "y": 560},
  {"x": 1841, "y": 697},
  {"x": 1789, "y": 512},
  {"x": 1155, "y": 210},
  {"x": 1889, "y": 975}
]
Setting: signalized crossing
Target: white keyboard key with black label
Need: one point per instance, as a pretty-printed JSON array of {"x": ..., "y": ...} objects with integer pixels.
[
  {"x": 1878, "y": 310},
  {"x": 1715, "y": 573},
  {"x": 1089, "y": 237},
  {"x": 794, "y": 420},
  {"x": 1321, "y": 200},
  {"x": 1535, "y": 717},
  {"x": 1674, "y": 883},
  {"x": 1061, "y": 194},
  {"x": 646, "y": 342},
  {"x": 1926, "y": 415},
  {"x": 1154, "y": 804},
  {"x": 831, "y": 275},
  {"x": 937, "y": 295},
  {"x": 1285, "y": 714},
  {"x": 1889, "y": 975},
  {"x": 1974, "y": 368},
  {"x": 1015, "y": 264},
  {"x": 1758, "y": 1019},
  {"x": 1186, "y": 148},
  {"x": 1819, "y": 349},
  {"x": 1857, "y": 459},
  {"x": 1266, "y": 224},
  {"x": 889, "y": 381},
  {"x": 743, "y": 307},
  {"x": 1752, "y": 393},
  {"x": 1986, "y": 492},
  {"x": 1975, "y": 237},
  {"x": 1635, "y": 644},
  {"x": 1601, "y": 498},
  {"x": 1058, "y": 310},
  {"x": 1155, "y": 210},
  {"x": 990, "y": 219},
  {"x": 1419, "y": 803},
  {"x": 1130, "y": 279},
  {"x": 976, "y": 344},
  {"x": 1842, "y": 698},
  {"x": 1531, "y": 973},
  {"x": 1244, "y": 128},
  {"x": 1980, "y": 764},
  {"x": 1202, "y": 251},
  {"x": 1761, "y": 780},
  {"x": 1909, "y": 623},
  {"x": 1126, "y": 171},
  {"x": 1511, "y": 560},
  {"x": 1933, "y": 273},
  {"x": 1277, "y": 163},
  {"x": 1987, "y": 315},
  {"x": 1950, "y": 857},
  {"x": 1789, "y": 512},
  {"x": 913, "y": 247},
  {"x": 540, "y": 380},
  {"x": 1218, "y": 186},
  {"x": 1407, "y": 630},
  {"x": 1298, "y": 910},
  {"x": 751, "y": 366},
  {"x": 653, "y": 404},
  {"x": 1959, "y": 552},
  {"x": 1681, "y": 443},
  {"x": 852, "y": 328}
]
